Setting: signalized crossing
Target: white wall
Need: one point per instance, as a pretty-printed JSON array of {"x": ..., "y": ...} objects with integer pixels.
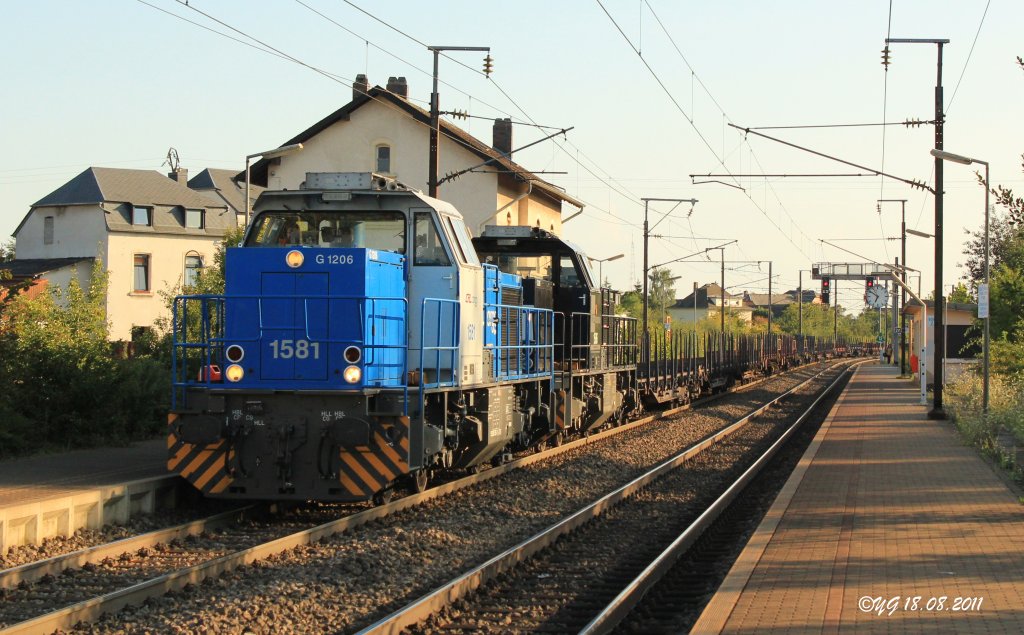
[
  {"x": 125, "y": 307},
  {"x": 685, "y": 315},
  {"x": 81, "y": 271},
  {"x": 77, "y": 231},
  {"x": 350, "y": 146}
]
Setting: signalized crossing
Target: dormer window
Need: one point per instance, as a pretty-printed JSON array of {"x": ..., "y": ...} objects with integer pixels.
[
  {"x": 383, "y": 159},
  {"x": 194, "y": 218},
  {"x": 142, "y": 215}
]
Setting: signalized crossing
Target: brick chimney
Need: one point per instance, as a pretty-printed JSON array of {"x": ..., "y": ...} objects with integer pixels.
[
  {"x": 361, "y": 85},
  {"x": 180, "y": 175},
  {"x": 502, "y": 135},
  {"x": 398, "y": 86}
]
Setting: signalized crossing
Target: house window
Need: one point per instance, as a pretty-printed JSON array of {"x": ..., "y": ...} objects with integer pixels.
[
  {"x": 384, "y": 159},
  {"x": 194, "y": 218},
  {"x": 193, "y": 265},
  {"x": 48, "y": 230},
  {"x": 140, "y": 283},
  {"x": 142, "y": 215}
]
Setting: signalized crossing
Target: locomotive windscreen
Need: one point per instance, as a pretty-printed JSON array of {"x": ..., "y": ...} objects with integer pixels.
[{"x": 371, "y": 229}]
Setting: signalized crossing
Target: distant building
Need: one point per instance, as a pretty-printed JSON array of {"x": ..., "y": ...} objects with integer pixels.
[
  {"x": 223, "y": 187},
  {"x": 38, "y": 274},
  {"x": 778, "y": 301},
  {"x": 705, "y": 302},
  {"x": 381, "y": 131},
  {"x": 151, "y": 231}
]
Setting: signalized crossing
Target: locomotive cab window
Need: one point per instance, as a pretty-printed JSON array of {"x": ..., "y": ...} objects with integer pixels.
[
  {"x": 372, "y": 229},
  {"x": 462, "y": 241},
  {"x": 567, "y": 274},
  {"x": 429, "y": 250}
]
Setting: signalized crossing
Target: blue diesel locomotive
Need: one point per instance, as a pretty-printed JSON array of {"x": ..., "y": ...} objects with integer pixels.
[{"x": 364, "y": 341}]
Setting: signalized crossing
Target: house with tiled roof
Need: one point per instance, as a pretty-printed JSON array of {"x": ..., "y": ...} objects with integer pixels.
[
  {"x": 706, "y": 302},
  {"x": 151, "y": 231},
  {"x": 223, "y": 187},
  {"x": 778, "y": 301},
  {"x": 382, "y": 131},
  {"x": 37, "y": 274}
]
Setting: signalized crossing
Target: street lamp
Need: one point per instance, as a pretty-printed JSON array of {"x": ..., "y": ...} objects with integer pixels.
[
  {"x": 600, "y": 263},
  {"x": 914, "y": 232},
  {"x": 982, "y": 306},
  {"x": 266, "y": 154},
  {"x": 901, "y": 300},
  {"x": 800, "y": 301},
  {"x": 647, "y": 234}
]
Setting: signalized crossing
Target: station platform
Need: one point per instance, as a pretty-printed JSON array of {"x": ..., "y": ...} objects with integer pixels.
[
  {"x": 889, "y": 524},
  {"x": 56, "y": 494}
]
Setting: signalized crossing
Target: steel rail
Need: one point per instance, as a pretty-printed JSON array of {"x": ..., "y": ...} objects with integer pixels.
[
  {"x": 93, "y": 608},
  {"x": 445, "y": 595},
  {"x": 621, "y": 605},
  {"x": 33, "y": 571}
]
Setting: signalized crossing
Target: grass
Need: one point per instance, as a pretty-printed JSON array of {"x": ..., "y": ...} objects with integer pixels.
[{"x": 999, "y": 433}]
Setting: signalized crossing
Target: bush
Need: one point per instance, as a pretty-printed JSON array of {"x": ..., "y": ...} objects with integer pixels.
[
  {"x": 61, "y": 386},
  {"x": 964, "y": 398}
]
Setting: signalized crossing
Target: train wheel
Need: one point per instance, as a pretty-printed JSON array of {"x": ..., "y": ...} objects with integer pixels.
[
  {"x": 557, "y": 440},
  {"x": 384, "y": 496},
  {"x": 418, "y": 481}
]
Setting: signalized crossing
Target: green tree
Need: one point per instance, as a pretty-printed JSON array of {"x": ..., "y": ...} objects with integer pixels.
[
  {"x": 662, "y": 294},
  {"x": 7, "y": 251},
  {"x": 63, "y": 388},
  {"x": 960, "y": 294}
]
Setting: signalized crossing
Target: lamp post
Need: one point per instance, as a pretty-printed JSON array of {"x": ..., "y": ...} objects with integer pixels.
[
  {"x": 903, "y": 260},
  {"x": 600, "y": 263},
  {"x": 800, "y": 304},
  {"x": 266, "y": 154},
  {"x": 921, "y": 365},
  {"x": 956, "y": 158},
  {"x": 435, "y": 111},
  {"x": 721, "y": 251},
  {"x": 647, "y": 234}
]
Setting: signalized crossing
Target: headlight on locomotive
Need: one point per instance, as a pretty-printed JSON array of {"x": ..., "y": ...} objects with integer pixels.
[
  {"x": 352, "y": 354},
  {"x": 352, "y": 374},
  {"x": 234, "y": 373},
  {"x": 294, "y": 258},
  {"x": 234, "y": 353}
]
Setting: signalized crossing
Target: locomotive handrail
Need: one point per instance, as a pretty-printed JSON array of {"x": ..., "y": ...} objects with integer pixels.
[
  {"x": 438, "y": 349},
  {"x": 211, "y": 334},
  {"x": 506, "y": 312}
]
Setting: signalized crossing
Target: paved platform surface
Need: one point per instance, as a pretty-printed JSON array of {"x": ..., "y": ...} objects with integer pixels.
[
  {"x": 887, "y": 510},
  {"x": 55, "y": 475}
]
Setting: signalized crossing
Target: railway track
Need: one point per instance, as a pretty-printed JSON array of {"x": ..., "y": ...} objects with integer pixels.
[
  {"x": 178, "y": 579},
  {"x": 584, "y": 573}
]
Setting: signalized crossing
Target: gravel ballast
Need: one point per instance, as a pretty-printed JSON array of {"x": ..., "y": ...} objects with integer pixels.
[{"x": 349, "y": 580}]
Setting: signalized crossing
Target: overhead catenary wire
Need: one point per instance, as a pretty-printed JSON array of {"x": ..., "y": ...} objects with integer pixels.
[
  {"x": 700, "y": 134},
  {"x": 969, "y": 54},
  {"x": 267, "y": 48},
  {"x": 609, "y": 181}
]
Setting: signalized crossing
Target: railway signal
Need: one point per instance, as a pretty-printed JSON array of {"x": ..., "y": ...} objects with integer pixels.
[{"x": 826, "y": 290}]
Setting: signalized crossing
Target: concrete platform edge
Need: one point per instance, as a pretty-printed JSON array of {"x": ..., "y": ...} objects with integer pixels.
[
  {"x": 717, "y": 612},
  {"x": 31, "y": 523}
]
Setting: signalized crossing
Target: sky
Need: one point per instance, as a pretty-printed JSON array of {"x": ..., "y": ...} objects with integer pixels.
[{"x": 647, "y": 86}]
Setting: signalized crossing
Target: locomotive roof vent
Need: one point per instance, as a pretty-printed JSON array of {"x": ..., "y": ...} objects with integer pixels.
[{"x": 353, "y": 181}]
